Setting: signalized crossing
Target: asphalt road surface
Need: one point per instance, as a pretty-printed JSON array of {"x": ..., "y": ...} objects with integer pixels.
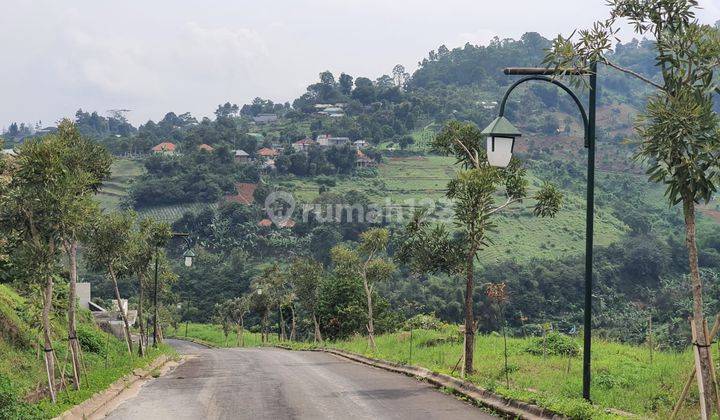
[{"x": 278, "y": 384}]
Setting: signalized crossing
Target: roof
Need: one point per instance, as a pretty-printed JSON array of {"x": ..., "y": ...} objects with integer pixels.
[
  {"x": 9, "y": 152},
  {"x": 304, "y": 141},
  {"x": 245, "y": 193},
  {"x": 165, "y": 146},
  {"x": 241, "y": 152},
  {"x": 206, "y": 147},
  {"x": 501, "y": 126},
  {"x": 265, "y": 151},
  {"x": 289, "y": 223}
]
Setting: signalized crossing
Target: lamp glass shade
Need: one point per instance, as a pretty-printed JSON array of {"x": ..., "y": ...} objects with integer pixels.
[
  {"x": 499, "y": 150},
  {"x": 188, "y": 261}
]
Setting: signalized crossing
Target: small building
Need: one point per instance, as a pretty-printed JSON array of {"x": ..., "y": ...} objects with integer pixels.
[
  {"x": 363, "y": 161},
  {"x": 245, "y": 193},
  {"x": 268, "y": 153},
  {"x": 242, "y": 156},
  {"x": 326, "y": 140},
  {"x": 265, "y": 118},
  {"x": 288, "y": 224},
  {"x": 9, "y": 152},
  {"x": 165, "y": 147},
  {"x": 206, "y": 147},
  {"x": 332, "y": 111},
  {"x": 303, "y": 145},
  {"x": 361, "y": 144}
]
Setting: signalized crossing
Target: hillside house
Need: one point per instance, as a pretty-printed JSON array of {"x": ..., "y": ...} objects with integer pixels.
[
  {"x": 326, "y": 140},
  {"x": 265, "y": 118},
  {"x": 206, "y": 147},
  {"x": 245, "y": 193},
  {"x": 241, "y": 156},
  {"x": 165, "y": 148},
  {"x": 268, "y": 153},
  {"x": 361, "y": 144},
  {"x": 363, "y": 161},
  {"x": 266, "y": 223},
  {"x": 303, "y": 145}
]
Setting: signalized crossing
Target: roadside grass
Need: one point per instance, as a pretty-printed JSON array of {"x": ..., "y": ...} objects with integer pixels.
[
  {"x": 624, "y": 378},
  {"x": 22, "y": 369}
]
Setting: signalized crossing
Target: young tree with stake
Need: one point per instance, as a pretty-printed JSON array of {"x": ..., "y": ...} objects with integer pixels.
[{"x": 473, "y": 191}]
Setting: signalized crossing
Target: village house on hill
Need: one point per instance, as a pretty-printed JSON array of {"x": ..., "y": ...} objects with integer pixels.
[
  {"x": 267, "y": 153},
  {"x": 265, "y": 118},
  {"x": 326, "y": 140},
  {"x": 363, "y": 161},
  {"x": 303, "y": 145},
  {"x": 241, "y": 156},
  {"x": 165, "y": 147},
  {"x": 244, "y": 193}
]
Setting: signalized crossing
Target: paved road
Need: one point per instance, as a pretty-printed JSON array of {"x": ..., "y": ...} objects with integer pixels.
[{"x": 278, "y": 384}]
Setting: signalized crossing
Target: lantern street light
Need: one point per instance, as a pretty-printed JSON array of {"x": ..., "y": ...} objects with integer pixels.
[
  {"x": 500, "y": 141},
  {"x": 501, "y": 137},
  {"x": 188, "y": 256}
]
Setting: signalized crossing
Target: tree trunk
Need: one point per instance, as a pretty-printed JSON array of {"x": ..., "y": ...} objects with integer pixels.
[
  {"x": 242, "y": 332},
  {"x": 318, "y": 335},
  {"x": 142, "y": 344},
  {"x": 264, "y": 332},
  {"x": 704, "y": 371},
  {"x": 71, "y": 249},
  {"x": 370, "y": 324},
  {"x": 237, "y": 335},
  {"x": 47, "y": 336},
  {"x": 281, "y": 321},
  {"x": 293, "y": 330},
  {"x": 128, "y": 337},
  {"x": 469, "y": 316}
]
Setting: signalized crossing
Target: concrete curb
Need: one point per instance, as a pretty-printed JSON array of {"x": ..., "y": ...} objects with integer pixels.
[
  {"x": 102, "y": 398},
  {"x": 197, "y": 341},
  {"x": 508, "y": 407}
]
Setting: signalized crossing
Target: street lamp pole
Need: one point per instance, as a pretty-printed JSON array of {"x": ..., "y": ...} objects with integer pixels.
[{"x": 502, "y": 132}]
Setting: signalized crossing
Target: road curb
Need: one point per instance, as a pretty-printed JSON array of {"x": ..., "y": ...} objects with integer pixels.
[
  {"x": 102, "y": 398},
  {"x": 505, "y": 406},
  {"x": 197, "y": 341}
]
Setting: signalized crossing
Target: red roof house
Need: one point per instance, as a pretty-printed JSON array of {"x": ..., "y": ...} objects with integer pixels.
[
  {"x": 267, "y": 152},
  {"x": 164, "y": 147},
  {"x": 244, "y": 194}
]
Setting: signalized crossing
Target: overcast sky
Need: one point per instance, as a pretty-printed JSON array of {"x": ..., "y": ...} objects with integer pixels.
[{"x": 172, "y": 55}]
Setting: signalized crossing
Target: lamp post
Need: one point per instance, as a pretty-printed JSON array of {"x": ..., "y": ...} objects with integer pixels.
[
  {"x": 188, "y": 256},
  {"x": 501, "y": 137}
]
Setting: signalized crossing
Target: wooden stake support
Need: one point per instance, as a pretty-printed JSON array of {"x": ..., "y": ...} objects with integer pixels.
[{"x": 688, "y": 382}]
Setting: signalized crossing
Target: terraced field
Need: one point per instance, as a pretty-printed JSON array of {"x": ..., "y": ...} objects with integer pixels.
[{"x": 116, "y": 188}]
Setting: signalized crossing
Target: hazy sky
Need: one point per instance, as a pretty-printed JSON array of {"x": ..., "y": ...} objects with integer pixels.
[{"x": 171, "y": 55}]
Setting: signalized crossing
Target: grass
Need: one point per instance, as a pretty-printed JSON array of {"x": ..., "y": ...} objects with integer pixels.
[
  {"x": 22, "y": 369},
  {"x": 623, "y": 376},
  {"x": 116, "y": 187}
]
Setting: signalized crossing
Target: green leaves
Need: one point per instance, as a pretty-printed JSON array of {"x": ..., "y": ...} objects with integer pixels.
[{"x": 549, "y": 200}]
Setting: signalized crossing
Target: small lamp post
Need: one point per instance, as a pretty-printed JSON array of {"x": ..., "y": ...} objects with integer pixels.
[{"x": 500, "y": 141}]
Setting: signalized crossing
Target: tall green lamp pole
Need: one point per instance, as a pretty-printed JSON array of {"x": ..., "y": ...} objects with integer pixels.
[{"x": 501, "y": 135}]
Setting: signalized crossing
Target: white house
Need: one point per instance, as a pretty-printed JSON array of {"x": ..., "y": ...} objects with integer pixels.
[
  {"x": 265, "y": 118},
  {"x": 326, "y": 140}
]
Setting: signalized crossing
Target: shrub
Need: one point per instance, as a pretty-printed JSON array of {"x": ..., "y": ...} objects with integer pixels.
[
  {"x": 424, "y": 322},
  {"x": 91, "y": 340},
  {"x": 556, "y": 344}
]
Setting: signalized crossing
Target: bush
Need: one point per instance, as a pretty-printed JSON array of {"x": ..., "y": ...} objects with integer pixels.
[
  {"x": 11, "y": 406},
  {"x": 424, "y": 322},
  {"x": 91, "y": 340},
  {"x": 556, "y": 344}
]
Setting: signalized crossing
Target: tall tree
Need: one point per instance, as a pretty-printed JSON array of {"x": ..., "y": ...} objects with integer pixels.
[
  {"x": 109, "y": 249},
  {"x": 305, "y": 276},
  {"x": 144, "y": 243},
  {"x": 679, "y": 132},
  {"x": 92, "y": 161},
  {"x": 46, "y": 201},
  {"x": 368, "y": 264}
]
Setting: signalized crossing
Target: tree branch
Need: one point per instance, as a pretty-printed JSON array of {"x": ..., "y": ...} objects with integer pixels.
[
  {"x": 633, "y": 73},
  {"x": 507, "y": 203}
]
